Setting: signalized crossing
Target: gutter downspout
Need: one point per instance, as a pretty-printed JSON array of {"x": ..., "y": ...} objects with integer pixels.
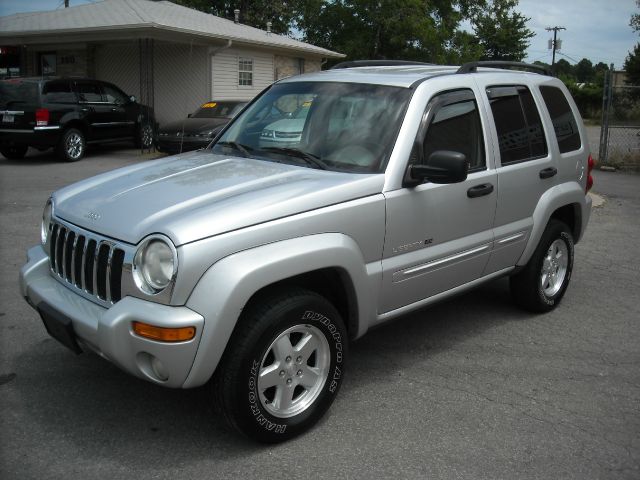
[{"x": 213, "y": 51}]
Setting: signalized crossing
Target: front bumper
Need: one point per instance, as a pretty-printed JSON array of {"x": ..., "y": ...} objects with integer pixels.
[{"x": 108, "y": 331}]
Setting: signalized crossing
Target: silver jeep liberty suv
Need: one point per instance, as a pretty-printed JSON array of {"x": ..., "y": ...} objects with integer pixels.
[{"x": 334, "y": 202}]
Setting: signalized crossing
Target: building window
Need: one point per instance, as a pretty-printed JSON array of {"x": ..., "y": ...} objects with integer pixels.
[
  {"x": 47, "y": 63},
  {"x": 245, "y": 72}
]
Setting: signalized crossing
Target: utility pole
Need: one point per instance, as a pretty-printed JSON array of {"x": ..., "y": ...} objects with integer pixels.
[{"x": 554, "y": 44}]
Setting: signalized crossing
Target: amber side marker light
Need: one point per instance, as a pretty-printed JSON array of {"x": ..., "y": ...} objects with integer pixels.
[{"x": 162, "y": 334}]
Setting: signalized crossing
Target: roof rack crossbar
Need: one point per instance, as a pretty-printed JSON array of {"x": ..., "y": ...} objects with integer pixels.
[
  {"x": 473, "y": 66},
  {"x": 377, "y": 63}
]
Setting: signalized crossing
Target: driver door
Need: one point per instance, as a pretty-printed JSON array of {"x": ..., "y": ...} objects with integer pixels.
[{"x": 439, "y": 236}]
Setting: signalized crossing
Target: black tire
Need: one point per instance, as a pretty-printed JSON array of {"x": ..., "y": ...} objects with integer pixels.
[
  {"x": 15, "y": 152},
  {"x": 262, "y": 414},
  {"x": 542, "y": 283},
  {"x": 144, "y": 137},
  {"x": 72, "y": 145}
]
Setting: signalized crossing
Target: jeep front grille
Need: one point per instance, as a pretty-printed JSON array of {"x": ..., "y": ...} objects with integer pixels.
[{"x": 86, "y": 262}]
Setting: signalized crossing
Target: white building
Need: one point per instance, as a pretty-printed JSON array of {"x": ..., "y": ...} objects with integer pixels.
[{"x": 170, "y": 57}]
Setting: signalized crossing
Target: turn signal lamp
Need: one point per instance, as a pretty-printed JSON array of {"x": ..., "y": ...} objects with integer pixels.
[{"x": 162, "y": 334}]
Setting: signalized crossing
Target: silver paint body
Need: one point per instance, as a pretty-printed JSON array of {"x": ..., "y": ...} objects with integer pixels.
[{"x": 240, "y": 225}]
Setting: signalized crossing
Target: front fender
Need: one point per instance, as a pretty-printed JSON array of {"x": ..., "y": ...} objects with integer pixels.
[
  {"x": 227, "y": 286},
  {"x": 553, "y": 199}
]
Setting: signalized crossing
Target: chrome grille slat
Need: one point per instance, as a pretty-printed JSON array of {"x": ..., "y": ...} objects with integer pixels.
[
  {"x": 86, "y": 263},
  {"x": 73, "y": 258},
  {"x": 84, "y": 259},
  {"x": 109, "y": 259},
  {"x": 95, "y": 270},
  {"x": 64, "y": 254}
]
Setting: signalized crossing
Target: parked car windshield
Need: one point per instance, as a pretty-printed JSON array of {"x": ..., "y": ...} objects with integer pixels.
[
  {"x": 336, "y": 126},
  {"x": 218, "y": 109}
]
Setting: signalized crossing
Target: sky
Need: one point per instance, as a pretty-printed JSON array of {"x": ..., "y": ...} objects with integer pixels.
[{"x": 595, "y": 29}]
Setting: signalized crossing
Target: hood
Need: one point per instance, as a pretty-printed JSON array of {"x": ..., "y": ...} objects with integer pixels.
[
  {"x": 194, "y": 125},
  {"x": 198, "y": 194}
]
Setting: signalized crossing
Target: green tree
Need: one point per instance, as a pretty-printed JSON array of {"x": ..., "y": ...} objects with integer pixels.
[
  {"x": 502, "y": 32},
  {"x": 632, "y": 66},
  {"x": 255, "y": 13},
  {"x": 634, "y": 23},
  {"x": 584, "y": 71},
  {"x": 424, "y": 30}
]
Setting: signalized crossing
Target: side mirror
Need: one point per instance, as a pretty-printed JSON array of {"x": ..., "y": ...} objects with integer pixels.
[
  {"x": 443, "y": 166},
  {"x": 133, "y": 99}
]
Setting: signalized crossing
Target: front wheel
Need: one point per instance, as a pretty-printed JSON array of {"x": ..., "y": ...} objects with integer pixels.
[
  {"x": 283, "y": 366},
  {"x": 144, "y": 138},
  {"x": 540, "y": 286}
]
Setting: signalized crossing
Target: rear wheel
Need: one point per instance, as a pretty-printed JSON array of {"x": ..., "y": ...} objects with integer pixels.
[
  {"x": 540, "y": 286},
  {"x": 72, "y": 145},
  {"x": 283, "y": 366},
  {"x": 14, "y": 152}
]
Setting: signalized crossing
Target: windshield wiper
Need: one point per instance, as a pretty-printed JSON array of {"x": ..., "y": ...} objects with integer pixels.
[
  {"x": 244, "y": 149},
  {"x": 310, "y": 158}
]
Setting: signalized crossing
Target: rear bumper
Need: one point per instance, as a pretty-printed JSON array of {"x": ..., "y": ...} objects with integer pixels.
[
  {"x": 108, "y": 332},
  {"x": 41, "y": 137}
]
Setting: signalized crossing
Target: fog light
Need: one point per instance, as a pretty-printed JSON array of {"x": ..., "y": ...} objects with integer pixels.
[
  {"x": 158, "y": 369},
  {"x": 162, "y": 334}
]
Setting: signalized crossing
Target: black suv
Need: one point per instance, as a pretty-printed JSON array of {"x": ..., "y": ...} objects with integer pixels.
[{"x": 68, "y": 114}]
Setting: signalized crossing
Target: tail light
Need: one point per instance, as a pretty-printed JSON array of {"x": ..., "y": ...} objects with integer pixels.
[
  {"x": 42, "y": 117},
  {"x": 590, "y": 165}
]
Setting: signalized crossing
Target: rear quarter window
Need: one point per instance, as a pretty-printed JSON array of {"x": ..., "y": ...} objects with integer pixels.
[
  {"x": 14, "y": 93},
  {"x": 564, "y": 122}
]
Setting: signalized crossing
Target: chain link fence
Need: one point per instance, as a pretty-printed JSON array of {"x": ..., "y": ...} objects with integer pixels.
[{"x": 620, "y": 133}]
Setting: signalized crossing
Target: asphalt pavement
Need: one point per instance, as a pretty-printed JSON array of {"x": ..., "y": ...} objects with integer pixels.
[{"x": 472, "y": 388}]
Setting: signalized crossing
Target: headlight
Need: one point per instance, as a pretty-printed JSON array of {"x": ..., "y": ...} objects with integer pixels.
[
  {"x": 46, "y": 222},
  {"x": 155, "y": 264}
]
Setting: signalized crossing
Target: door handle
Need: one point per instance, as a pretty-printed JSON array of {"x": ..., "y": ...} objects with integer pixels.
[
  {"x": 480, "y": 190},
  {"x": 548, "y": 172}
]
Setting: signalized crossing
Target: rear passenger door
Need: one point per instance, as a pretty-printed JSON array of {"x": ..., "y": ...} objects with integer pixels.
[{"x": 525, "y": 166}]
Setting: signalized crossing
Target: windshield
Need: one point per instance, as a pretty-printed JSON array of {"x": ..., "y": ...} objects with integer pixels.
[
  {"x": 218, "y": 109},
  {"x": 336, "y": 126}
]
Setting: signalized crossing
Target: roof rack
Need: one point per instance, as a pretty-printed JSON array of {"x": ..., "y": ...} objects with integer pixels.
[
  {"x": 377, "y": 63},
  {"x": 473, "y": 66}
]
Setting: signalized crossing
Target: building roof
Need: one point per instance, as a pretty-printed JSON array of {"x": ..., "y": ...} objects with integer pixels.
[{"x": 126, "y": 15}]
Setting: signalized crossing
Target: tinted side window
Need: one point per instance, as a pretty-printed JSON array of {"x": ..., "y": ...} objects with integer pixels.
[
  {"x": 113, "y": 95},
  {"x": 58, "y": 92},
  {"x": 89, "y": 92},
  {"x": 564, "y": 123},
  {"x": 456, "y": 127},
  {"x": 520, "y": 133}
]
